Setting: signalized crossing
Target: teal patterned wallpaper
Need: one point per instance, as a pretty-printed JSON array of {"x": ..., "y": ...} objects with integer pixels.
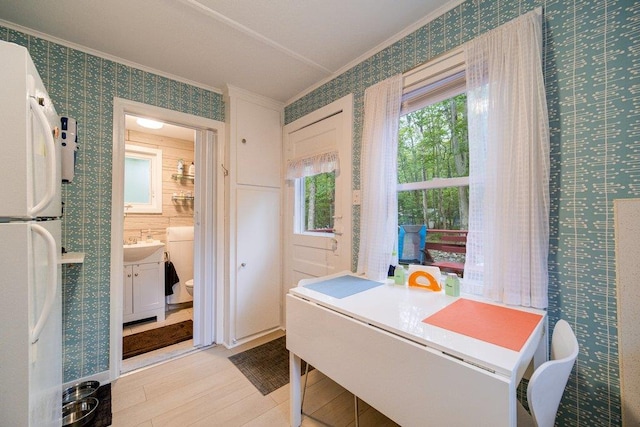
[
  {"x": 591, "y": 63},
  {"x": 83, "y": 86}
]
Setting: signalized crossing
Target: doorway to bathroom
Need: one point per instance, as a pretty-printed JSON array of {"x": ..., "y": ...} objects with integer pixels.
[
  {"x": 159, "y": 202},
  {"x": 174, "y": 200}
]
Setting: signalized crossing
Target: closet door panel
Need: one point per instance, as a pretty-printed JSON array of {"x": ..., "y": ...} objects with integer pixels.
[
  {"x": 257, "y": 307},
  {"x": 259, "y": 145}
]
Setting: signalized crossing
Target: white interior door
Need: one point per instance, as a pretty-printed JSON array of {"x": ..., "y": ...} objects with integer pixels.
[
  {"x": 208, "y": 223},
  {"x": 257, "y": 303},
  {"x": 311, "y": 253}
]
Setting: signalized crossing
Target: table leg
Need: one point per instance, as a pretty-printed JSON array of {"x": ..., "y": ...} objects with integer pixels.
[
  {"x": 295, "y": 395},
  {"x": 541, "y": 354}
]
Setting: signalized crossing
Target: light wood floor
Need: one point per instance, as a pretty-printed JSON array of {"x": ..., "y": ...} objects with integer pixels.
[{"x": 205, "y": 389}]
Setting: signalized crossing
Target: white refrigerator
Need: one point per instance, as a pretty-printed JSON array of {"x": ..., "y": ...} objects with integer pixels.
[{"x": 30, "y": 252}]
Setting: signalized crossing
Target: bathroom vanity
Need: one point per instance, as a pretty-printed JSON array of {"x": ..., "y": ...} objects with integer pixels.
[{"x": 143, "y": 282}]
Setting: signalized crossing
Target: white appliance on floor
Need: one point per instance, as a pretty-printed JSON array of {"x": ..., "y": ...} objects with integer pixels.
[
  {"x": 30, "y": 232},
  {"x": 180, "y": 250}
]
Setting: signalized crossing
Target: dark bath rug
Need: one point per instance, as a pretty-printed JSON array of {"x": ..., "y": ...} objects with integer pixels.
[{"x": 144, "y": 342}]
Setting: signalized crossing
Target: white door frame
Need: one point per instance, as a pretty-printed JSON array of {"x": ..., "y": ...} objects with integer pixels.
[
  {"x": 344, "y": 105},
  {"x": 208, "y": 212}
]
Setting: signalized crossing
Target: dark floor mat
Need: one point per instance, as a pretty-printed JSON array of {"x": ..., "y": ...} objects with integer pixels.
[
  {"x": 266, "y": 366},
  {"x": 144, "y": 342}
]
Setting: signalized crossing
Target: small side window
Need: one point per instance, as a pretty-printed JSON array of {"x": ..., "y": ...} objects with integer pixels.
[
  {"x": 319, "y": 203},
  {"x": 142, "y": 180}
]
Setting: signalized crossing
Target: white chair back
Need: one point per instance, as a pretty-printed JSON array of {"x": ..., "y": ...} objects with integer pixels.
[{"x": 548, "y": 382}]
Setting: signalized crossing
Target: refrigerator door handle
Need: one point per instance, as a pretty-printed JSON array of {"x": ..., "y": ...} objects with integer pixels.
[
  {"x": 51, "y": 158},
  {"x": 52, "y": 281}
]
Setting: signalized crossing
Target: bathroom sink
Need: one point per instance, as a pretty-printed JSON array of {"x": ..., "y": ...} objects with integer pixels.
[{"x": 142, "y": 250}]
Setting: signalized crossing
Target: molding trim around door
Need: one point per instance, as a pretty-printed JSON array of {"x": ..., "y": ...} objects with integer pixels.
[{"x": 121, "y": 107}]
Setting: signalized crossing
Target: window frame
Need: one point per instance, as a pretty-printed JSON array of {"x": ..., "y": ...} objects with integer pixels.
[
  {"x": 416, "y": 80},
  {"x": 437, "y": 73},
  {"x": 155, "y": 180},
  {"x": 299, "y": 217}
]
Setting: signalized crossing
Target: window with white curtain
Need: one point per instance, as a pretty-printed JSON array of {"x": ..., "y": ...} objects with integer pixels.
[
  {"x": 433, "y": 159},
  {"x": 505, "y": 162},
  {"x": 315, "y": 184}
]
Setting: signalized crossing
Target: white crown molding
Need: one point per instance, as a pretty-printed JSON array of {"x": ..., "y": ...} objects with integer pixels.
[
  {"x": 103, "y": 55},
  {"x": 390, "y": 41}
]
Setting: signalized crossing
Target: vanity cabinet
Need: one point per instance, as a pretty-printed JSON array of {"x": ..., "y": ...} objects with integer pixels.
[
  {"x": 143, "y": 292},
  {"x": 254, "y": 209}
]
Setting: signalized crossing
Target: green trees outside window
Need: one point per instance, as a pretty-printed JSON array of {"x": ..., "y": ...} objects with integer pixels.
[
  {"x": 319, "y": 202},
  {"x": 433, "y": 145}
]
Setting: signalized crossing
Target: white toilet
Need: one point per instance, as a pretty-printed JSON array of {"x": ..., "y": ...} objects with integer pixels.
[
  {"x": 180, "y": 253},
  {"x": 189, "y": 286}
]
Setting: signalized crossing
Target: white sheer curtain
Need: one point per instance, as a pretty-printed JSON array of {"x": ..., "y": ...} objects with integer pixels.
[
  {"x": 508, "y": 241},
  {"x": 379, "y": 178}
]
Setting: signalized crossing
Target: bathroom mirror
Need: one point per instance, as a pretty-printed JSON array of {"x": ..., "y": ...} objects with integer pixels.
[{"x": 142, "y": 179}]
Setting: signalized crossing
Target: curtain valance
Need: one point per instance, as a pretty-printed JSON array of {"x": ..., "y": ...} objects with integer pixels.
[{"x": 313, "y": 165}]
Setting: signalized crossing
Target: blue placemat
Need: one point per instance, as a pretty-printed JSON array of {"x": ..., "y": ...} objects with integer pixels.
[{"x": 343, "y": 286}]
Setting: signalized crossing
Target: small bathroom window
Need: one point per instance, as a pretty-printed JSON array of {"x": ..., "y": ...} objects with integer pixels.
[{"x": 142, "y": 179}]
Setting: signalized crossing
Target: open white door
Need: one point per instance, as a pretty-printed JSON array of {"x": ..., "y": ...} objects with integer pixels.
[{"x": 314, "y": 249}]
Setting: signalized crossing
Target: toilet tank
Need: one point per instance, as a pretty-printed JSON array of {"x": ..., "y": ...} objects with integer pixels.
[{"x": 179, "y": 242}]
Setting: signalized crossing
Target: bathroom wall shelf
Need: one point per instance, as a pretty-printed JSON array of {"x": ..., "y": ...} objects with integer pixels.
[
  {"x": 72, "y": 258},
  {"x": 182, "y": 177},
  {"x": 182, "y": 198}
]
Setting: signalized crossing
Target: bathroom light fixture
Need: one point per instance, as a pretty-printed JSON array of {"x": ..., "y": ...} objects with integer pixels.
[{"x": 149, "y": 124}]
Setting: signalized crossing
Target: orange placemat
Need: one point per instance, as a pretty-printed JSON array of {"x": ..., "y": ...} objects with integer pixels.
[{"x": 497, "y": 325}]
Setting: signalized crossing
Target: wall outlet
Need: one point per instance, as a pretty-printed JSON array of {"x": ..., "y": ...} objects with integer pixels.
[{"x": 356, "y": 197}]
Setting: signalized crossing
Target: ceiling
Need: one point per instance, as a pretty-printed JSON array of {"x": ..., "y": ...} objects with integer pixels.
[{"x": 276, "y": 48}]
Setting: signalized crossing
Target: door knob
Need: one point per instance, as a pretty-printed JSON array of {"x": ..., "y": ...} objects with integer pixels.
[{"x": 244, "y": 264}]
